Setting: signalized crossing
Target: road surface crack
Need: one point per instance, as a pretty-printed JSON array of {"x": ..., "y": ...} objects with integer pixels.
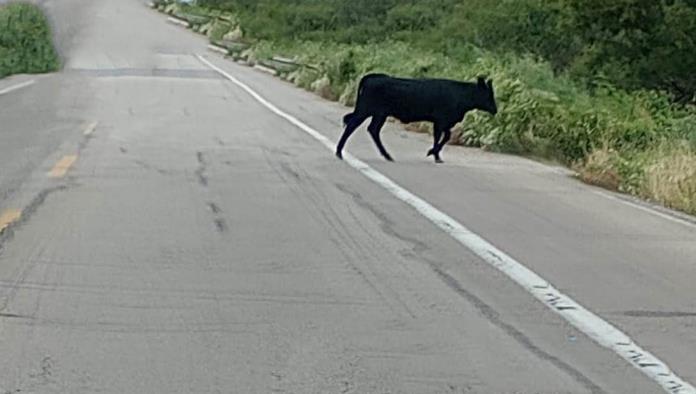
[
  {"x": 658, "y": 314},
  {"x": 218, "y": 220},
  {"x": 28, "y": 212},
  {"x": 150, "y": 167},
  {"x": 202, "y": 167},
  {"x": 386, "y": 224}
]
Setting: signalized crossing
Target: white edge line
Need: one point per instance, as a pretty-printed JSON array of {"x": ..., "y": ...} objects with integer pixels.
[
  {"x": 17, "y": 87},
  {"x": 648, "y": 209},
  {"x": 581, "y": 318}
]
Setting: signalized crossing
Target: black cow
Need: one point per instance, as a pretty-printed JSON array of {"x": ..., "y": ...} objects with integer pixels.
[{"x": 440, "y": 101}]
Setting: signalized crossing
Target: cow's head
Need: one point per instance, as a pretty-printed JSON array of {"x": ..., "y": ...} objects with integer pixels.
[{"x": 486, "y": 96}]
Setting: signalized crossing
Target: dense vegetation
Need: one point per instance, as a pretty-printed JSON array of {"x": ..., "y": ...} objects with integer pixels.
[
  {"x": 602, "y": 86},
  {"x": 25, "y": 40},
  {"x": 632, "y": 43}
]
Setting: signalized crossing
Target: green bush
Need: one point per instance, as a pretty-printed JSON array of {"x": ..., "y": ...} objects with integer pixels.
[
  {"x": 636, "y": 44},
  {"x": 25, "y": 41},
  {"x": 541, "y": 113},
  {"x": 559, "y": 98}
]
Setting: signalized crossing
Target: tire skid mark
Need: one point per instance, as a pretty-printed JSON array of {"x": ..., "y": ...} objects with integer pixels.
[
  {"x": 319, "y": 206},
  {"x": 200, "y": 295},
  {"x": 488, "y": 312}
]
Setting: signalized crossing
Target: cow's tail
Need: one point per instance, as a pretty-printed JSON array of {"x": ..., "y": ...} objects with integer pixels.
[
  {"x": 361, "y": 85},
  {"x": 361, "y": 88}
]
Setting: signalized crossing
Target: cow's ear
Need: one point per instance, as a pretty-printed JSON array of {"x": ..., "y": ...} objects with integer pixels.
[
  {"x": 482, "y": 82},
  {"x": 490, "y": 83}
]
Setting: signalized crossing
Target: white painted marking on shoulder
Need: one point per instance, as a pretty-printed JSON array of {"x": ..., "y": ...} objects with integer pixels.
[
  {"x": 648, "y": 209},
  {"x": 177, "y": 21},
  {"x": 90, "y": 128},
  {"x": 265, "y": 69},
  {"x": 217, "y": 49},
  {"x": 581, "y": 318},
  {"x": 17, "y": 87}
]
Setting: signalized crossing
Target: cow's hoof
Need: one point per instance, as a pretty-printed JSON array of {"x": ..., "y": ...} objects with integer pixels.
[
  {"x": 389, "y": 158},
  {"x": 439, "y": 161},
  {"x": 430, "y": 153},
  {"x": 339, "y": 155}
]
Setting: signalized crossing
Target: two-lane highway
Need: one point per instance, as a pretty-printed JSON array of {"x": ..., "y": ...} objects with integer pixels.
[{"x": 173, "y": 234}]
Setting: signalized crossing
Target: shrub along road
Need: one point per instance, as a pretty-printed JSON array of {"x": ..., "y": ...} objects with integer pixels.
[{"x": 177, "y": 236}]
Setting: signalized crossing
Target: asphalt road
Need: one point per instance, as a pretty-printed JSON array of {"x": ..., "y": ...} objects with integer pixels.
[{"x": 174, "y": 235}]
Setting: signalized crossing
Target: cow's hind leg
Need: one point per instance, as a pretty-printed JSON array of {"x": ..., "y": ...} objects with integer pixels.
[
  {"x": 374, "y": 129},
  {"x": 353, "y": 121},
  {"x": 447, "y": 133},
  {"x": 437, "y": 133}
]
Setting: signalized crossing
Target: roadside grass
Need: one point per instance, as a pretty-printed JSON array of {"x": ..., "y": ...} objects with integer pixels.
[
  {"x": 671, "y": 179},
  {"x": 25, "y": 41},
  {"x": 600, "y": 169},
  {"x": 634, "y": 142}
]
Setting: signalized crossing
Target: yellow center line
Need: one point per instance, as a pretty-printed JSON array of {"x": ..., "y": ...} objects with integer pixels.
[
  {"x": 90, "y": 128},
  {"x": 62, "y": 167},
  {"x": 8, "y": 217}
]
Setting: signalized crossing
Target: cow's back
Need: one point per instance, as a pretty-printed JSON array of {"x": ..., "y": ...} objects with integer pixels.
[{"x": 408, "y": 100}]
